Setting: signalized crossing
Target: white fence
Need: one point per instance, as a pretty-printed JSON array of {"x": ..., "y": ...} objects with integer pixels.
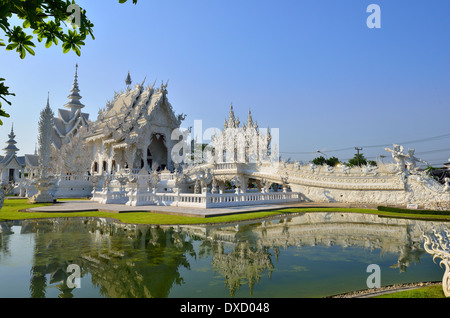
[{"x": 203, "y": 200}]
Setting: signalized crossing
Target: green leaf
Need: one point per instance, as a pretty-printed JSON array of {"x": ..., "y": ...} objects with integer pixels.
[
  {"x": 30, "y": 50},
  {"x": 3, "y": 113},
  {"x": 20, "y": 41},
  {"x": 22, "y": 52},
  {"x": 12, "y": 46},
  {"x": 66, "y": 48},
  {"x": 77, "y": 50}
]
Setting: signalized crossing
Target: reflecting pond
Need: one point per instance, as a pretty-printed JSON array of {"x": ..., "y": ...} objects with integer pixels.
[{"x": 307, "y": 255}]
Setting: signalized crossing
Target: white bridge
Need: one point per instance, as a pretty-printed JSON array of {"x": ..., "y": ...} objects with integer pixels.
[{"x": 236, "y": 184}]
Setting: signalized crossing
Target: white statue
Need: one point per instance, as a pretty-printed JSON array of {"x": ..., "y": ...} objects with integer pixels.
[
  {"x": 398, "y": 156},
  {"x": 213, "y": 185},
  {"x": 153, "y": 179},
  {"x": 446, "y": 184},
  {"x": 411, "y": 160},
  {"x": 368, "y": 169},
  {"x": 345, "y": 169}
]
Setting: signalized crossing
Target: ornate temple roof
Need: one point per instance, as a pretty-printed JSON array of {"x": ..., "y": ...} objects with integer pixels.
[
  {"x": 69, "y": 120},
  {"x": 11, "y": 152},
  {"x": 11, "y": 149},
  {"x": 131, "y": 110}
]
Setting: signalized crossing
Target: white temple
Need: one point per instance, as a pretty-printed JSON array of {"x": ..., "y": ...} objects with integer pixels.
[
  {"x": 134, "y": 132},
  {"x": 11, "y": 166},
  {"x": 129, "y": 155}
]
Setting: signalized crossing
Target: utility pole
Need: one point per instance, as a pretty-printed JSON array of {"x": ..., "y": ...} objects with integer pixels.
[{"x": 358, "y": 149}]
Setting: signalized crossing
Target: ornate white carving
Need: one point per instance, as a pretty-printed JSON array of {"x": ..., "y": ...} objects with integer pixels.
[
  {"x": 438, "y": 245},
  {"x": 398, "y": 156},
  {"x": 45, "y": 180}
]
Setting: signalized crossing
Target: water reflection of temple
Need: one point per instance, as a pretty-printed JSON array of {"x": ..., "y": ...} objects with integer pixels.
[
  {"x": 126, "y": 260},
  {"x": 123, "y": 261},
  {"x": 389, "y": 235}
]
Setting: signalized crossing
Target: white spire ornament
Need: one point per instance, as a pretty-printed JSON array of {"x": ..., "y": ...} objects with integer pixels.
[
  {"x": 45, "y": 180},
  {"x": 74, "y": 97},
  {"x": 11, "y": 149},
  {"x": 45, "y": 138}
]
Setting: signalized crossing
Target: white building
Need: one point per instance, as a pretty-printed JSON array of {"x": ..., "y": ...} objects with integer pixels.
[{"x": 134, "y": 132}]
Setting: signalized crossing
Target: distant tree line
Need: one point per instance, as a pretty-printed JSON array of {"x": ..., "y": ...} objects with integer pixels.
[{"x": 357, "y": 160}]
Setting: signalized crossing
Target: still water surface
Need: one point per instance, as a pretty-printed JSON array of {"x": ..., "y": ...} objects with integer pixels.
[{"x": 309, "y": 255}]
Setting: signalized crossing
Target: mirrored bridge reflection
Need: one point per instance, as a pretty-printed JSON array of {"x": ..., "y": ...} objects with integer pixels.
[{"x": 124, "y": 260}]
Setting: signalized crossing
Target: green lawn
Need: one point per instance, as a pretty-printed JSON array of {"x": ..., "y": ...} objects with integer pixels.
[
  {"x": 11, "y": 211},
  {"x": 423, "y": 292},
  {"x": 12, "y": 207}
]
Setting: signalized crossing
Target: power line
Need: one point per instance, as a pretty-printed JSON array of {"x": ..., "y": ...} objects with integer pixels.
[
  {"x": 374, "y": 146},
  {"x": 433, "y": 151}
]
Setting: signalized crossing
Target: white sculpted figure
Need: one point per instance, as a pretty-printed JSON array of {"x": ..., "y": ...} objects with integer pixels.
[
  {"x": 153, "y": 179},
  {"x": 207, "y": 177},
  {"x": 446, "y": 184},
  {"x": 214, "y": 185},
  {"x": 411, "y": 160},
  {"x": 345, "y": 169},
  {"x": 179, "y": 176},
  {"x": 368, "y": 169},
  {"x": 398, "y": 156}
]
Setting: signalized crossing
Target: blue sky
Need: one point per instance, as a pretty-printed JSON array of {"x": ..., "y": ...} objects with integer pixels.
[{"x": 311, "y": 68}]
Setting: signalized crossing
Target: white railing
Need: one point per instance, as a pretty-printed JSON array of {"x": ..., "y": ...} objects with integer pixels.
[
  {"x": 110, "y": 197},
  {"x": 73, "y": 178},
  {"x": 206, "y": 200},
  {"x": 167, "y": 176},
  {"x": 225, "y": 166}
]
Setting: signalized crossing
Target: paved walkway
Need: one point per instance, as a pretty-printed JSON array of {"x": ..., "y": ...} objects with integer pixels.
[{"x": 85, "y": 205}]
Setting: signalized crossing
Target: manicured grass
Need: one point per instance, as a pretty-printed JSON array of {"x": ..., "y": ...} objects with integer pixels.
[
  {"x": 11, "y": 211},
  {"x": 434, "y": 291},
  {"x": 12, "y": 207}
]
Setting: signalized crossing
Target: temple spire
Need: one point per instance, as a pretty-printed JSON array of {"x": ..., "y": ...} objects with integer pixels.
[
  {"x": 128, "y": 80},
  {"x": 232, "y": 122},
  {"x": 249, "y": 119},
  {"x": 45, "y": 138},
  {"x": 11, "y": 149},
  {"x": 74, "y": 98}
]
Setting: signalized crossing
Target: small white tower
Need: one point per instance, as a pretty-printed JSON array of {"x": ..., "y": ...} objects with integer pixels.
[{"x": 11, "y": 149}]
